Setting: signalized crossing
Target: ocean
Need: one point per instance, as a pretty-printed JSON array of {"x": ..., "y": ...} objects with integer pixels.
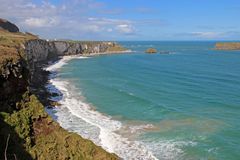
[{"x": 184, "y": 105}]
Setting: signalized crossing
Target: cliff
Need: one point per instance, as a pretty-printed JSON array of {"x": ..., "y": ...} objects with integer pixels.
[
  {"x": 4, "y": 24},
  {"x": 26, "y": 130},
  {"x": 41, "y": 50},
  {"x": 228, "y": 46}
]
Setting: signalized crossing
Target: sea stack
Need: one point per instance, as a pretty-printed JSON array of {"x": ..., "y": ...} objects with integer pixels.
[{"x": 151, "y": 50}]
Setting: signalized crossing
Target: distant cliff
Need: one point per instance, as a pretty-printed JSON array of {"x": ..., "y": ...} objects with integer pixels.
[
  {"x": 38, "y": 50},
  {"x": 41, "y": 50},
  {"x": 228, "y": 46},
  {"x": 4, "y": 24}
]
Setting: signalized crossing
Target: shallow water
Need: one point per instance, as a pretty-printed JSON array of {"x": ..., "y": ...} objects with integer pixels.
[{"x": 182, "y": 105}]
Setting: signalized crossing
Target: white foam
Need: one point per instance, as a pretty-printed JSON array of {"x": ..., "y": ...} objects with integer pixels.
[
  {"x": 77, "y": 116},
  {"x": 135, "y": 129},
  {"x": 62, "y": 62},
  {"x": 168, "y": 149},
  {"x": 104, "y": 125}
]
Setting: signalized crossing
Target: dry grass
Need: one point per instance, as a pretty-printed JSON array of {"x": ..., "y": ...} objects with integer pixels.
[
  {"x": 11, "y": 45},
  {"x": 116, "y": 48}
]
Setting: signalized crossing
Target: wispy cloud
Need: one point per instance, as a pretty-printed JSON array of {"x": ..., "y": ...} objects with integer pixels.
[
  {"x": 207, "y": 35},
  {"x": 210, "y": 35},
  {"x": 125, "y": 28},
  {"x": 41, "y": 22},
  {"x": 94, "y": 19},
  {"x": 63, "y": 19}
]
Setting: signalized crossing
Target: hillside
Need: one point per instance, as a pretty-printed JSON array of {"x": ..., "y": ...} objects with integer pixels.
[{"x": 26, "y": 130}]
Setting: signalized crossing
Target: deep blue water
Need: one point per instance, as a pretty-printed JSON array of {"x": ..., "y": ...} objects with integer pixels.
[{"x": 190, "y": 97}]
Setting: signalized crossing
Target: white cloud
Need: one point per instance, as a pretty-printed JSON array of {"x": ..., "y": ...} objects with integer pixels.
[
  {"x": 125, "y": 28},
  {"x": 41, "y": 22},
  {"x": 110, "y": 25},
  {"x": 65, "y": 19}
]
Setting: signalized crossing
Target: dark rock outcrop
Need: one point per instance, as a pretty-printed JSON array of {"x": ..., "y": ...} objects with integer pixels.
[{"x": 4, "y": 24}]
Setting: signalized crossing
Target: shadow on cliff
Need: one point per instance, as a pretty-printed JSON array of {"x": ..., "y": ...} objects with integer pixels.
[
  {"x": 40, "y": 86},
  {"x": 15, "y": 149},
  {"x": 11, "y": 90}
]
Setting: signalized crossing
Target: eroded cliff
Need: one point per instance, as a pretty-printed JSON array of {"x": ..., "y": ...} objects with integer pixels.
[
  {"x": 41, "y": 50},
  {"x": 26, "y": 130}
]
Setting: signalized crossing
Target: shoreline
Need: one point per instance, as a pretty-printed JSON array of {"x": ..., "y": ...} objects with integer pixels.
[
  {"x": 62, "y": 60},
  {"x": 110, "y": 53},
  {"x": 107, "y": 136}
]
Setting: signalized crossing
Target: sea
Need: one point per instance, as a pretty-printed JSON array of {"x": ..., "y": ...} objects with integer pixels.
[{"x": 180, "y": 104}]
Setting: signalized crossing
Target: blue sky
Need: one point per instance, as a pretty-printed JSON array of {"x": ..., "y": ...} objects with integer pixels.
[{"x": 126, "y": 19}]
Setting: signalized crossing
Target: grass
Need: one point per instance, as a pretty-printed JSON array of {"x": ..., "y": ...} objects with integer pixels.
[
  {"x": 116, "y": 48},
  {"x": 12, "y": 46},
  {"x": 33, "y": 133},
  {"x": 44, "y": 139}
]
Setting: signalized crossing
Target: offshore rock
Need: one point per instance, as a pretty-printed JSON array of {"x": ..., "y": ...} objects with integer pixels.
[
  {"x": 228, "y": 46},
  {"x": 151, "y": 50}
]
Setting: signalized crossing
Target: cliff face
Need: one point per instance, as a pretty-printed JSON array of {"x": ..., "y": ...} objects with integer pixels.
[
  {"x": 38, "y": 51},
  {"x": 42, "y": 50},
  {"x": 228, "y": 46},
  {"x": 25, "y": 127}
]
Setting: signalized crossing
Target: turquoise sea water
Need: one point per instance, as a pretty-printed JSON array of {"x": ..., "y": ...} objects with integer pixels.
[{"x": 182, "y": 105}]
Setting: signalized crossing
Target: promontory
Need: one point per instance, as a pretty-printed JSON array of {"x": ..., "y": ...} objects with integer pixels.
[{"x": 26, "y": 130}]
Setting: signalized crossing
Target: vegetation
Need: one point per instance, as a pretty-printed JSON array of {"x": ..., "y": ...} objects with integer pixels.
[
  {"x": 116, "y": 48},
  {"x": 11, "y": 46},
  {"x": 26, "y": 130},
  {"x": 45, "y": 139},
  {"x": 228, "y": 46}
]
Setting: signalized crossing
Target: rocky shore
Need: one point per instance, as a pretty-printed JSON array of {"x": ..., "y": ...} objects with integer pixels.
[{"x": 26, "y": 130}]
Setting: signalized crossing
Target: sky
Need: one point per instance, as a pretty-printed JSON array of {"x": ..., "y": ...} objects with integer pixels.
[{"x": 126, "y": 19}]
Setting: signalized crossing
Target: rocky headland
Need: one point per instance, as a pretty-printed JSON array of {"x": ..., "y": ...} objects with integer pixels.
[
  {"x": 26, "y": 130},
  {"x": 227, "y": 46},
  {"x": 6, "y": 25}
]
